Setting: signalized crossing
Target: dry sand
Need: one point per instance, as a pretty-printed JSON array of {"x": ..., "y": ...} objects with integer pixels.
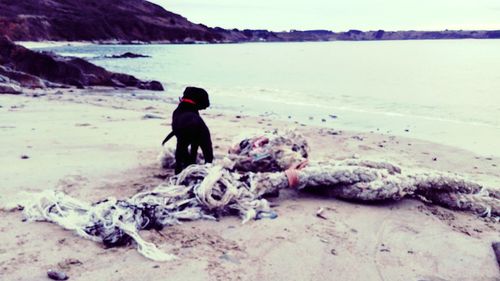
[{"x": 93, "y": 145}]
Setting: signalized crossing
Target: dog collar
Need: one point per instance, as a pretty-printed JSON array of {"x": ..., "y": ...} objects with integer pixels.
[{"x": 188, "y": 101}]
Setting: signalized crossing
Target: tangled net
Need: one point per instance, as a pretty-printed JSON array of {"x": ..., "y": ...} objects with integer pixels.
[{"x": 256, "y": 166}]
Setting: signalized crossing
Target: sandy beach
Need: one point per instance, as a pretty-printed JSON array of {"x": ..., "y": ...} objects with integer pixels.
[{"x": 93, "y": 144}]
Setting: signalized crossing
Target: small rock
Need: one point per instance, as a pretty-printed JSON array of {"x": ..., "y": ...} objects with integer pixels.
[
  {"x": 333, "y": 252},
  {"x": 57, "y": 275},
  {"x": 384, "y": 248},
  {"x": 25, "y": 157},
  {"x": 357, "y": 138},
  {"x": 333, "y": 116},
  {"x": 434, "y": 159},
  {"x": 407, "y": 130},
  {"x": 323, "y": 120},
  {"x": 128, "y": 55},
  {"x": 230, "y": 258},
  {"x": 151, "y": 85},
  {"x": 82, "y": 124},
  {"x": 334, "y": 133},
  {"x": 151, "y": 116}
]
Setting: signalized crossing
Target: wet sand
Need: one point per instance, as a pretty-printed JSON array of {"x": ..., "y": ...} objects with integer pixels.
[{"x": 92, "y": 145}]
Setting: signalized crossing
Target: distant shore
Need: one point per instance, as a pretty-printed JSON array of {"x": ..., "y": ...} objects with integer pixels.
[
  {"x": 130, "y": 21},
  {"x": 266, "y": 36}
]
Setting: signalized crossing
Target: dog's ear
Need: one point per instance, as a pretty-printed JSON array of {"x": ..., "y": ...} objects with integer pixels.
[{"x": 198, "y": 95}]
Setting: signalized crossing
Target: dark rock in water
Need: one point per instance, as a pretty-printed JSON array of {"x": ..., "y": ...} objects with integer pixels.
[
  {"x": 128, "y": 55},
  {"x": 57, "y": 275},
  {"x": 30, "y": 68},
  {"x": 151, "y": 85}
]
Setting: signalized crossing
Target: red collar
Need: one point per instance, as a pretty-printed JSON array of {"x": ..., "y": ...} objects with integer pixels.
[{"x": 188, "y": 101}]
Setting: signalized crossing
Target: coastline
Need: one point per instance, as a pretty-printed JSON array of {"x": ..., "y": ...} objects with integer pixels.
[
  {"x": 57, "y": 43},
  {"x": 97, "y": 143},
  {"x": 407, "y": 103}
]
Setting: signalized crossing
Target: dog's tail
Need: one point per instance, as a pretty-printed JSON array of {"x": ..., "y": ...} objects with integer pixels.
[{"x": 167, "y": 138}]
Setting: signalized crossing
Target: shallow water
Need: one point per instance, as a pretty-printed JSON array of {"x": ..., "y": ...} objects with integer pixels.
[{"x": 446, "y": 91}]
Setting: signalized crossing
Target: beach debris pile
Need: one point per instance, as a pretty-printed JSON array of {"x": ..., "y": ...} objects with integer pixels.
[
  {"x": 210, "y": 191},
  {"x": 273, "y": 153},
  {"x": 267, "y": 153}
]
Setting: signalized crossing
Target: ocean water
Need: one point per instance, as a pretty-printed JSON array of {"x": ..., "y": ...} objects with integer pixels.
[{"x": 447, "y": 91}]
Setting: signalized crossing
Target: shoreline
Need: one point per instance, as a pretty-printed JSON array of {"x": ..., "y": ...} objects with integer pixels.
[
  {"x": 92, "y": 144},
  {"x": 473, "y": 127},
  {"x": 51, "y": 43}
]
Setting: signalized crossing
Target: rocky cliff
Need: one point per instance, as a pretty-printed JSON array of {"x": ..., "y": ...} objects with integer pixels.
[
  {"x": 97, "y": 20},
  {"x": 125, "y": 21},
  {"x": 21, "y": 67}
]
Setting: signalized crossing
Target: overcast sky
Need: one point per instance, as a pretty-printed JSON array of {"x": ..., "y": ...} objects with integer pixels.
[{"x": 340, "y": 15}]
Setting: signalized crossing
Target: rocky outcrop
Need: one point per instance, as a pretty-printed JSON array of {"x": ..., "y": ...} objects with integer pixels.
[
  {"x": 127, "y": 55},
  {"x": 38, "y": 70},
  {"x": 97, "y": 20},
  {"x": 8, "y": 86},
  {"x": 25, "y": 79}
]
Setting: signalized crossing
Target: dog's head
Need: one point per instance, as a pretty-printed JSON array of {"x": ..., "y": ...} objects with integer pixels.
[{"x": 198, "y": 95}]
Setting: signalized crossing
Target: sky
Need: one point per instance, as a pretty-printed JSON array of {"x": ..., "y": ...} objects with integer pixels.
[{"x": 340, "y": 15}]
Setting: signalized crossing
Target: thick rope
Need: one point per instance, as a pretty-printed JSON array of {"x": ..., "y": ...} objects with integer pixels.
[{"x": 253, "y": 168}]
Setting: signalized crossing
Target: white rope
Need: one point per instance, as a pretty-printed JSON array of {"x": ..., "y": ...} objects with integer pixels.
[{"x": 208, "y": 191}]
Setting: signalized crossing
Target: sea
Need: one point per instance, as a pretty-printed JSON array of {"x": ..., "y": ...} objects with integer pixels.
[{"x": 444, "y": 91}]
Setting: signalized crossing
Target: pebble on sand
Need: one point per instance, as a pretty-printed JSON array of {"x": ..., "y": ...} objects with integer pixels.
[{"x": 57, "y": 275}]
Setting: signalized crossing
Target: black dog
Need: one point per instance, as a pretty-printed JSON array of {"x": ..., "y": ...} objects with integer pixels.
[{"x": 190, "y": 130}]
